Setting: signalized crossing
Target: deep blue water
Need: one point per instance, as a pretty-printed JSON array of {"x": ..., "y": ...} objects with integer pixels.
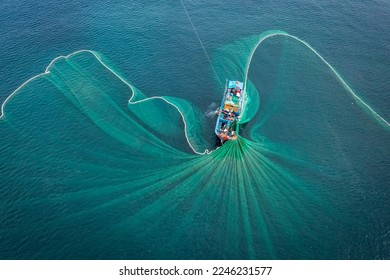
[
  {"x": 334, "y": 149},
  {"x": 147, "y": 40}
]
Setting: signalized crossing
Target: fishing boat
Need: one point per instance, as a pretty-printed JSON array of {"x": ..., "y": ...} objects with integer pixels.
[{"x": 230, "y": 110}]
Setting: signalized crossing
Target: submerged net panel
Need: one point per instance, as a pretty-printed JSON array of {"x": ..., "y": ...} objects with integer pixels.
[{"x": 113, "y": 174}]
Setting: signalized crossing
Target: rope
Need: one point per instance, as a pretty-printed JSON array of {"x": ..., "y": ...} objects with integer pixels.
[{"x": 200, "y": 41}]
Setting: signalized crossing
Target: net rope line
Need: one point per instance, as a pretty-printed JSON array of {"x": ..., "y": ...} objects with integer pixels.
[
  {"x": 345, "y": 85},
  {"x": 200, "y": 41},
  {"x": 262, "y": 39},
  {"x": 47, "y": 72}
]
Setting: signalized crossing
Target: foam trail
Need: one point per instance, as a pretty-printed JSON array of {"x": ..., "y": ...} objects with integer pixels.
[
  {"x": 268, "y": 35},
  {"x": 47, "y": 72}
]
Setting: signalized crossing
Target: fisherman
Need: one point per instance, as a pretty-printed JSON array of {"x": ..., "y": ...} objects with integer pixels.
[
  {"x": 223, "y": 135},
  {"x": 225, "y": 111},
  {"x": 229, "y": 117}
]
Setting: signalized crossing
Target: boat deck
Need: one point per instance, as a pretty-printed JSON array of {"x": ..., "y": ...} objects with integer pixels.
[{"x": 229, "y": 111}]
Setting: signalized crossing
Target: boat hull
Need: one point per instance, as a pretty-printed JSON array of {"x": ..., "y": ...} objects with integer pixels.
[{"x": 230, "y": 110}]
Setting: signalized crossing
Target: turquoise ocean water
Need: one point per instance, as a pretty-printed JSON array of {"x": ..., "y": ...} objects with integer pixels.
[{"x": 86, "y": 175}]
